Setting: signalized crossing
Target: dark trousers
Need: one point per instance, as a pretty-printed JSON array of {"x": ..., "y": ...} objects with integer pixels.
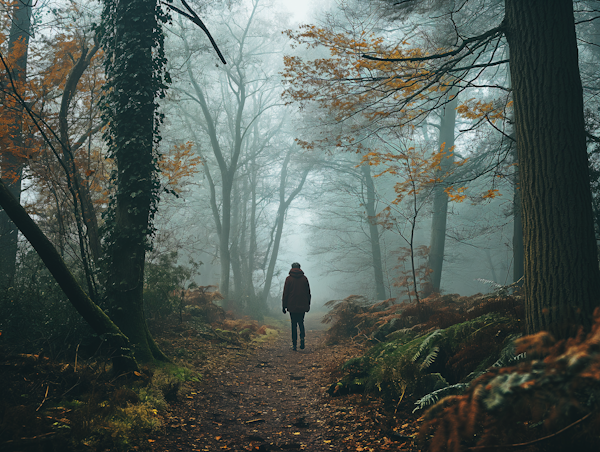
[{"x": 297, "y": 319}]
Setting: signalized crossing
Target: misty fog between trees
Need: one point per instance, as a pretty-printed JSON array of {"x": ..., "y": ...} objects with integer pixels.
[
  {"x": 154, "y": 153},
  {"x": 377, "y": 146}
]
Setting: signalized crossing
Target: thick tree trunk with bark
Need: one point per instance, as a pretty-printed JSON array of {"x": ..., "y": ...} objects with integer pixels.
[
  {"x": 562, "y": 280},
  {"x": 12, "y": 156},
  {"x": 132, "y": 140}
]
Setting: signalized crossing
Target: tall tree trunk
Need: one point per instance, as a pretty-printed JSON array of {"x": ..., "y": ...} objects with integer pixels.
[
  {"x": 236, "y": 247},
  {"x": 279, "y": 222},
  {"x": 518, "y": 251},
  {"x": 562, "y": 279},
  {"x": 252, "y": 227},
  {"x": 373, "y": 232},
  {"x": 119, "y": 345},
  {"x": 132, "y": 25},
  {"x": 244, "y": 245},
  {"x": 440, "y": 197},
  {"x": 224, "y": 254},
  {"x": 80, "y": 185},
  {"x": 12, "y": 157}
]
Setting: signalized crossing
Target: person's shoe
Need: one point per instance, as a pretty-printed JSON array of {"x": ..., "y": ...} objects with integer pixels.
[
  {"x": 294, "y": 347},
  {"x": 301, "y": 344}
]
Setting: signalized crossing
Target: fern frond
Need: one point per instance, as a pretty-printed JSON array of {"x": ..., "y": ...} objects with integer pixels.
[
  {"x": 507, "y": 355},
  {"x": 500, "y": 288},
  {"x": 490, "y": 283},
  {"x": 428, "y": 361},
  {"x": 437, "y": 334},
  {"x": 434, "y": 396}
]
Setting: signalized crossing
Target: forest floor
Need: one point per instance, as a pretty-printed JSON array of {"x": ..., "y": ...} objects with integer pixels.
[{"x": 267, "y": 397}]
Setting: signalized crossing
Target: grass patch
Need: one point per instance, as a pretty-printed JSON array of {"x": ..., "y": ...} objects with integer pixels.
[{"x": 269, "y": 335}]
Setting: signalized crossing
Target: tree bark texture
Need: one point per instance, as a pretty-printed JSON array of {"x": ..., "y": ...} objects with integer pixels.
[
  {"x": 518, "y": 252},
  {"x": 132, "y": 135},
  {"x": 119, "y": 345},
  {"x": 562, "y": 279},
  {"x": 12, "y": 157}
]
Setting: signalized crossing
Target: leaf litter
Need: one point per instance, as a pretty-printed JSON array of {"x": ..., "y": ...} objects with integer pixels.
[{"x": 269, "y": 398}]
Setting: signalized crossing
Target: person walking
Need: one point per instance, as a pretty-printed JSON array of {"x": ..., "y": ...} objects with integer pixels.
[{"x": 296, "y": 300}]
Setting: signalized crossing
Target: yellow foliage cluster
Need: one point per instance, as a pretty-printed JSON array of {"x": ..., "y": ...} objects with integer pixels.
[
  {"x": 418, "y": 171},
  {"x": 492, "y": 193},
  {"x": 345, "y": 82},
  {"x": 476, "y": 109},
  {"x": 43, "y": 92},
  {"x": 456, "y": 194},
  {"x": 178, "y": 165}
]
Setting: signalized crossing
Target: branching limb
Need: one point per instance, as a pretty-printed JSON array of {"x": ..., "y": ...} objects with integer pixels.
[
  {"x": 194, "y": 18},
  {"x": 490, "y": 34}
]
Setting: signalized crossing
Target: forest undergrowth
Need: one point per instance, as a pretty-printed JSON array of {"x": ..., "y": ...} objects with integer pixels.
[
  {"x": 49, "y": 404},
  {"x": 464, "y": 363},
  {"x": 451, "y": 373}
]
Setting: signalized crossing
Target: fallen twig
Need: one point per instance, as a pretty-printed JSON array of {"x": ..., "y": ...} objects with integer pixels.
[{"x": 45, "y": 397}]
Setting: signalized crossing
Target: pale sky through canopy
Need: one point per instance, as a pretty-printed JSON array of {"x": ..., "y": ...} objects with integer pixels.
[{"x": 303, "y": 10}]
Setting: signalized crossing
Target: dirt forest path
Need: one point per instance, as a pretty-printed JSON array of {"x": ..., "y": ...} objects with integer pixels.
[{"x": 274, "y": 399}]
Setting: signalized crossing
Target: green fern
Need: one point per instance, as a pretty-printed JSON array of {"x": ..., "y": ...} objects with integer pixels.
[
  {"x": 430, "y": 340},
  {"x": 428, "y": 361},
  {"x": 507, "y": 355},
  {"x": 434, "y": 396}
]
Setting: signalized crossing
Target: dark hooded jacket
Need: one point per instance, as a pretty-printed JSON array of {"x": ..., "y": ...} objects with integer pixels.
[{"x": 296, "y": 292}]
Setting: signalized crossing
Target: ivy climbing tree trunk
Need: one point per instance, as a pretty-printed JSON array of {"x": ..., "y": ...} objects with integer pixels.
[
  {"x": 562, "y": 279},
  {"x": 12, "y": 156},
  {"x": 133, "y": 41}
]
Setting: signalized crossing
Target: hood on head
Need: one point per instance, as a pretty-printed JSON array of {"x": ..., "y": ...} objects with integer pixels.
[{"x": 296, "y": 272}]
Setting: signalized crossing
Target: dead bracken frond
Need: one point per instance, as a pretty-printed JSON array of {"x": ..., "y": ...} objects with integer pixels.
[
  {"x": 355, "y": 316},
  {"x": 549, "y": 401}
]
